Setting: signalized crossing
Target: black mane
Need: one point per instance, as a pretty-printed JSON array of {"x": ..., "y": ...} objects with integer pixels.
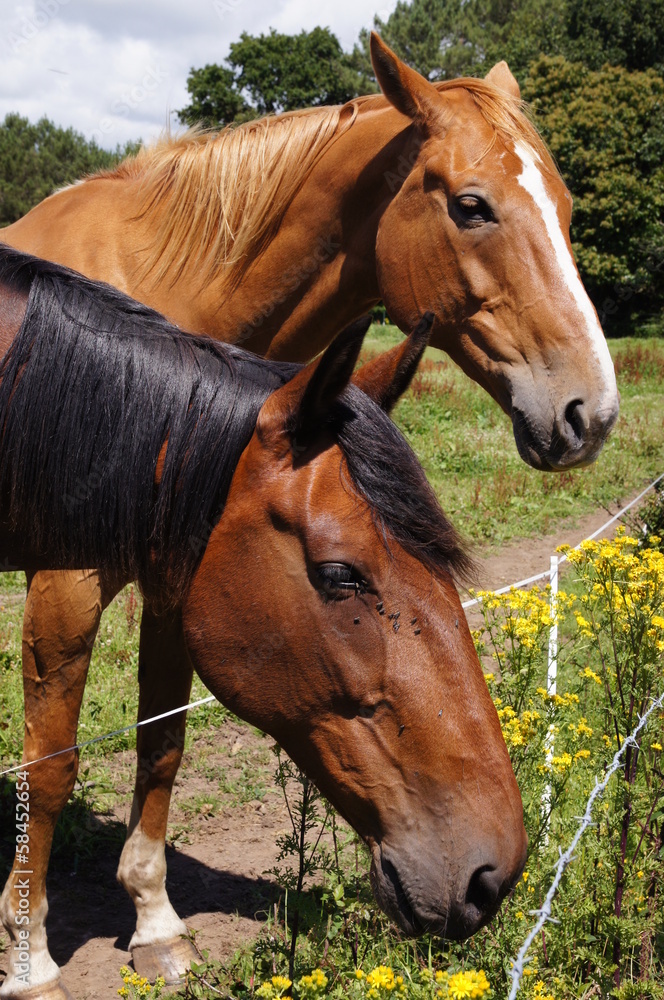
[{"x": 93, "y": 386}]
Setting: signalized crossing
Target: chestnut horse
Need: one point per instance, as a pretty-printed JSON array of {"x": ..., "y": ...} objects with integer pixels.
[
  {"x": 322, "y": 521},
  {"x": 439, "y": 197}
]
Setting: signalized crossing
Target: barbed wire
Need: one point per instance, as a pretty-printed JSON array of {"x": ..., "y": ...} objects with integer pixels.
[{"x": 566, "y": 857}]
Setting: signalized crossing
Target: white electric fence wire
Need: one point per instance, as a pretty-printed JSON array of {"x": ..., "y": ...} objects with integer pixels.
[
  {"x": 106, "y": 736},
  {"x": 546, "y": 574},
  {"x": 203, "y": 701},
  {"x": 544, "y": 913}
]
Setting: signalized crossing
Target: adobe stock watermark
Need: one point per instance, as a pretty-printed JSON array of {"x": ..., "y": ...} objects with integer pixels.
[
  {"x": 30, "y": 25},
  {"x": 21, "y": 946},
  {"x": 394, "y": 178},
  {"x": 130, "y": 100},
  {"x": 223, "y": 8},
  {"x": 324, "y": 251},
  {"x": 84, "y": 486}
]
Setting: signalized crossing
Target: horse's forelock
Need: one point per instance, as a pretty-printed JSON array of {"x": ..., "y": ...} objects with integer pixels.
[
  {"x": 386, "y": 474},
  {"x": 507, "y": 115}
]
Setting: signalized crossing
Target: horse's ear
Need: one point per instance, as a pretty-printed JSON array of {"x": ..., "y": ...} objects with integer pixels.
[
  {"x": 329, "y": 377},
  {"x": 406, "y": 89},
  {"x": 501, "y": 78},
  {"x": 388, "y": 376},
  {"x": 302, "y": 406}
]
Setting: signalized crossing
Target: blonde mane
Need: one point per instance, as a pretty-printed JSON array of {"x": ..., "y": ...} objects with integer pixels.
[{"x": 218, "y": 197}]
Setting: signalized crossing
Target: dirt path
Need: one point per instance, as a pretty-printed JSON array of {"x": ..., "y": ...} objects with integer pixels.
[
  {"x": 526, "y": 557},
  {"x": 216, "y": 880}
]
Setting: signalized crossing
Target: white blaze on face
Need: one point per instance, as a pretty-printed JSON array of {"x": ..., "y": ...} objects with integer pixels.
[{"x": 531, "y": 179}]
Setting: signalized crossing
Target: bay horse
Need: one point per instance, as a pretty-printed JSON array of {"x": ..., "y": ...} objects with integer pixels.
[
  {"x": 323, "y": 531},
  {"x": 275, "y": 234}
]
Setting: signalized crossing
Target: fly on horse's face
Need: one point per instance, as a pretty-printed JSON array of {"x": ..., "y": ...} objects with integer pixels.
[
  {"x": 484, "y": 218},
  {"x": 365, "y": 672}
]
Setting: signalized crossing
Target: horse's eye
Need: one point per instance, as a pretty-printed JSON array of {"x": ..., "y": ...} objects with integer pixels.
[
  {"x": 337, "y": 580},
  {"x": 473, "y": 209}
]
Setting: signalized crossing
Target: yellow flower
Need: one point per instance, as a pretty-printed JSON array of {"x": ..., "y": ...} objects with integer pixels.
[
  {"x": 561, "y": 763},
  {"x": 655, "y": 746},
  {"x": 382, "y": 977},
  {"x": 467, "y": 984},
  {"x": 281, "y": 982},
  {"x": 314, "y": 984}
]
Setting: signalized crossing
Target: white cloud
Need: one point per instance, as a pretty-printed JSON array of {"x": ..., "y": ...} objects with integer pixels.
[{"x": 116, "y": 69}]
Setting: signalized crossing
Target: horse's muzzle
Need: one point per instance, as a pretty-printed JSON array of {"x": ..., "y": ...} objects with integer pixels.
[
  {"x": 570, "y": 438},
  {"x": 472, "y": 902}
]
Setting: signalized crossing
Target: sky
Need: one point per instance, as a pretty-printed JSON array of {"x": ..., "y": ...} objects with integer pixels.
[{"x": 116, "y": 70}]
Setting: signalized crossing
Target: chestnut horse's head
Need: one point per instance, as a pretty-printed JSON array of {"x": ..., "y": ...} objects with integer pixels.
[
  {"x": 324, "y": 612},
  {"x": 479, "y": 234}
]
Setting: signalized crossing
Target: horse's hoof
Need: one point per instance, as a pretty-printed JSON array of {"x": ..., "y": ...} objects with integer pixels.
[
  {"x": 55, "y": 990},
  {"x": 169, "y": 959}
]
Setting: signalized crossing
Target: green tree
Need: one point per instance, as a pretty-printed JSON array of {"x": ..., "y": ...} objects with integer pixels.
[
  {"x": 215, "y": 98},
  {"x": 448, "y": 38},
  {"x": 269, "y": 73},
  {"x": 605, "y": 129},
  {"x": 627, "y": 33},
  {"x": 35, "y": 160},
  {"x": 436, "y": 37}
]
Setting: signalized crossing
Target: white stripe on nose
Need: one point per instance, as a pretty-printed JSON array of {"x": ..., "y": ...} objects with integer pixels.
[{"x": 532, "y": 181}]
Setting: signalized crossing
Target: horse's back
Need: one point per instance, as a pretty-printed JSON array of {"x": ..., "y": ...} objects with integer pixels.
[{"x": 85, "y": 227}]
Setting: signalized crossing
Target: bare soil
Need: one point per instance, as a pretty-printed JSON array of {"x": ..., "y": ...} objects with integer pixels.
[{"x": 216, "y": 878}]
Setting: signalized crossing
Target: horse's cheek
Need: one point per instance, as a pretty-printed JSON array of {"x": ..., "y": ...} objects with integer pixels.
[{"x": 415, "y": 262}]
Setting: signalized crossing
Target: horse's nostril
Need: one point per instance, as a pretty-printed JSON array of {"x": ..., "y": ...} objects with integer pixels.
[
  {"x": 575, "y": 420},
  {"x": 483, "y": 890}
]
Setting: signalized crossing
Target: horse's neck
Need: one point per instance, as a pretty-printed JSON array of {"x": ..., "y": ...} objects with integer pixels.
[
  {"x": 315, "y": 276},
  {"x": 319, "y": 271}
]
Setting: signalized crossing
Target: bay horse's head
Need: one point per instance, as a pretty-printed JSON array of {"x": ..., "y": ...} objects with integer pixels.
[
  {"x": 324, "y": 612},
  {"x": 479, "y": 234}
]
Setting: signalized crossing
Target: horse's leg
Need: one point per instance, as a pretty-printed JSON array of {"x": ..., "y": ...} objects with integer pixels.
[
  {"x": 61, "y": 618},
  {"x": 165, "y": 674}
]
